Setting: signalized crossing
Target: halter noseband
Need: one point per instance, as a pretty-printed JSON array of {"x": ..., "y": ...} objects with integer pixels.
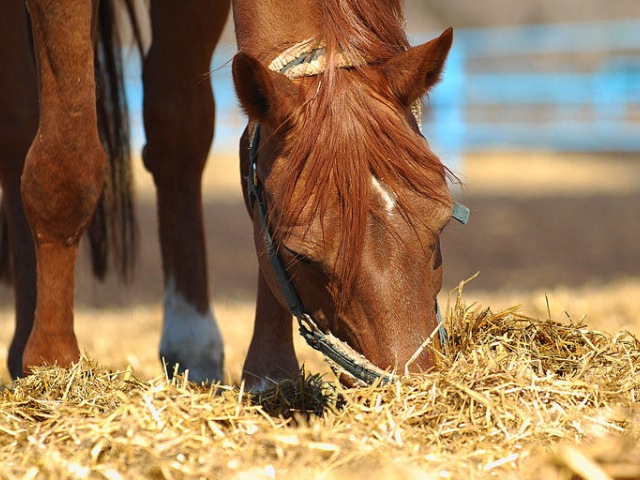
[{"x": 307, "y": 59}]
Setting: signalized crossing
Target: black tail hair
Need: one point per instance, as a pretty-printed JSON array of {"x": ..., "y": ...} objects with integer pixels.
[
  {"x": 6, "y": 262},
  {"x": 114, "y": 224}
]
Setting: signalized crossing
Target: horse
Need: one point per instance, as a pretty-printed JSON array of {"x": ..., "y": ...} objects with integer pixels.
[
  {"x": 53, "y": 167},
  {"x": 346, "y": 197}
]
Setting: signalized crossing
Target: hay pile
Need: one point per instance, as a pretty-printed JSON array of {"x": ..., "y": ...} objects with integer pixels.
[{"x": 513, "y": 396}]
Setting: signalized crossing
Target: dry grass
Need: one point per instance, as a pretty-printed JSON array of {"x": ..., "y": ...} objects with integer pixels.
[
  {"x": 610, "y": 306},
  {"x": 512, "y": 396},
  {"x": 515, "y": 396}
]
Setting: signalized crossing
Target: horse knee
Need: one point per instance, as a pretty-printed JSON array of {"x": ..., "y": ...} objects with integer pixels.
[
  {"x": 61, "y": 186},
  {"x": 178, "y": 113},
  {"x": 179, "y": 125}
]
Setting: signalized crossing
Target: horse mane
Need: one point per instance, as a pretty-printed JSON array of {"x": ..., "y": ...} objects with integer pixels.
[
  {"x": 363, "y": 29},
  {"x": 349, "y": 115}
]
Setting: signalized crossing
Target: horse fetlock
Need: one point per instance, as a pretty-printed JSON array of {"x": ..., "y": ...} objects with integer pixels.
[{"x": 202, "y": 359}]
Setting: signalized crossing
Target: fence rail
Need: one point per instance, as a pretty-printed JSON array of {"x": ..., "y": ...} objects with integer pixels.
[
  {"x": 571, "y": 87},
  {"x": 558, "y": 87}
]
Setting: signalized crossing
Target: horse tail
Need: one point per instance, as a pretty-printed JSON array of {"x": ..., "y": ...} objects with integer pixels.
[{"x": 113, "y": 232}]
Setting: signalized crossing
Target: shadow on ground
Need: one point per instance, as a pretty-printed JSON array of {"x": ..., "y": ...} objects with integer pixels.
[
  {"x": 531, "y": 243},
  {"x": 516, "y": 244}
]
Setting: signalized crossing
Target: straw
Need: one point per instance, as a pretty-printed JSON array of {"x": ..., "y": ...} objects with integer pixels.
[{"x": 512, "y": 396}]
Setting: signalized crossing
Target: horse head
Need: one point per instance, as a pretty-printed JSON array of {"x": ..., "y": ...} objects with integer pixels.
[{"x": 353, "y": 198}]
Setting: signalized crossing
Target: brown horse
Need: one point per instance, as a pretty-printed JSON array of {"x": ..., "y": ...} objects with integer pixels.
[
  {"x": 345, "y": 185},
  {"x": 61, "y": 181},
  {"x": 354, "y": 198}
]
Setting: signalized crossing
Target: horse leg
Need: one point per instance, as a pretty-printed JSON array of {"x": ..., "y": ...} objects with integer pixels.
[
  {"x": 64, "y": 169},
  {"x": 18, "y": 124},
  {"x": 179, "y": 119},
  {"x": 271, "y": 355}
]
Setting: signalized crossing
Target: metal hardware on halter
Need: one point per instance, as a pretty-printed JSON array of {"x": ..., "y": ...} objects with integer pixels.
[
  {"x": 294, "y": 62},
  {"x": 460, "y": 213},
  {"x": 337, "y": 352}
]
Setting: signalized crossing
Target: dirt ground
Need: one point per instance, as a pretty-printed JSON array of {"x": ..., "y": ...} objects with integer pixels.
[{"x": 552, "y": 233}]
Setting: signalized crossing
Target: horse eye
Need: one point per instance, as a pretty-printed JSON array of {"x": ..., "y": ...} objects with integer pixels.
[{"x": 299, "y": 257}]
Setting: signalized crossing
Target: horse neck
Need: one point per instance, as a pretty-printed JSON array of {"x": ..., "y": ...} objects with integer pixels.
[{"x": 264, "y": 28}]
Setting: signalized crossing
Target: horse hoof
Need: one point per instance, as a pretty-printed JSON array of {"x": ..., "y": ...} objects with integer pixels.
[{"x": 61, "y": 350}]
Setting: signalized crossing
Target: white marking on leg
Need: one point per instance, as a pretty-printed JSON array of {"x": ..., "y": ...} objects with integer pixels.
[
  {"x": 190, "y": 338},
  {"x": 386, "y": 195}
]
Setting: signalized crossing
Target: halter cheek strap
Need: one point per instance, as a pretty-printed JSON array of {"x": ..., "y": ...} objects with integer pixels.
[
  {"x": 305, "y": 59},
  {"x": 339, "y": 354}
]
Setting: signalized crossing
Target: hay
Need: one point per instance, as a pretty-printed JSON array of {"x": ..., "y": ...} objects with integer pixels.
[{"x": 512, "y": 396}]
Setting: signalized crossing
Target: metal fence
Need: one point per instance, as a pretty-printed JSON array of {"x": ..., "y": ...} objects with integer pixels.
[{"x": 567, "y": 87}]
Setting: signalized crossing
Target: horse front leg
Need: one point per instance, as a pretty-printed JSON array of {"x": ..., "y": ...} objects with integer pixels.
[
  {"x": 64, "y": 170},
  {"x": 179, "y": 119},
  {"x": 271, "y": 355},
  {"x": 18, "y": 124}
]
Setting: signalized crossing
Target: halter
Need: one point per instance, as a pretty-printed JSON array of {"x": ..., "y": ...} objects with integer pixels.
[{"x": 307, "y": 59}]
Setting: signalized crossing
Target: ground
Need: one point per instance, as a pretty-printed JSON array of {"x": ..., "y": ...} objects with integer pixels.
[{"x": 552, "y": 233}]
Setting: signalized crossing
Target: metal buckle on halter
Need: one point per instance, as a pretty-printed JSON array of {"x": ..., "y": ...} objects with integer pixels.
[
  {"x": 461, "y": 213},
  {"x": 341, "y": 357}
]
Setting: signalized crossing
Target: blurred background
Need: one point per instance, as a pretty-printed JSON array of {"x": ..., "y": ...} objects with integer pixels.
[{"x": 538, "y": 115}]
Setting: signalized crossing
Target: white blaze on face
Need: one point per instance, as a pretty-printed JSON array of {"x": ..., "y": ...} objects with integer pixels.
[
  {"x": 190, "y": 338},
  {"x": 387, "y": 198}
]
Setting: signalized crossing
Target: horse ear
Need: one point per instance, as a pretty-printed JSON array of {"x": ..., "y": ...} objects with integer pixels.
[
  {"x": 412, "y": 73},
  {"x": 264, "y": 95}
]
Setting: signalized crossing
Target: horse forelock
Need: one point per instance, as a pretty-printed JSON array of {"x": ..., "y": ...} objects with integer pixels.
[
  {"x": 370, "y": 30},
  {"x": 349, "y": 129}
]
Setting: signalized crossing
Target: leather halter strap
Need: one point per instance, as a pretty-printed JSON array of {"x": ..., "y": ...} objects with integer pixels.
[
  {"x": 337, "y": 352},
  {"x": 294, "y": 63}
]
